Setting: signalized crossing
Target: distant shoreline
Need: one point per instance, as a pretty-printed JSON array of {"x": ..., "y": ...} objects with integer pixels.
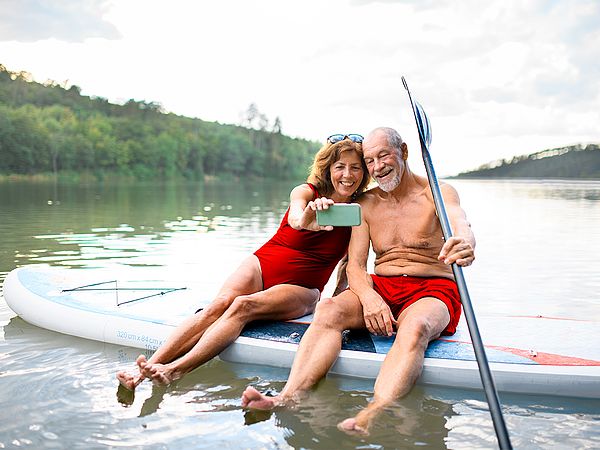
[
  {"x": 491, "y": 178},
  {"x": 95, "y": 177},
  {"x": 574, "y": 162}
]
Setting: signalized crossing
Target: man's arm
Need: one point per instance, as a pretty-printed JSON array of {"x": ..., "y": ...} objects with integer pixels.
[
  {"x": 460, "y": 248},
  {"x": 377, "y": 314}
]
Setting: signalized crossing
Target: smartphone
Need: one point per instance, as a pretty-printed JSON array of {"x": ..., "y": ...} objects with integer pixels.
[{"x": 340, "y": 215}]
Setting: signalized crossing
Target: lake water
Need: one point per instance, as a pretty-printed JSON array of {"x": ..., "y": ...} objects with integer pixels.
[{"x": 537, "y": 254}]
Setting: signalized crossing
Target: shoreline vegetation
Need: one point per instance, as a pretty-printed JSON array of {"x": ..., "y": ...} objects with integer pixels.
[
  {"x": 50, "y": 131},
  {"x": 89, "y": 177},
  {"x": 572, "y": 162},
  {"x": 49, "y": 128}
]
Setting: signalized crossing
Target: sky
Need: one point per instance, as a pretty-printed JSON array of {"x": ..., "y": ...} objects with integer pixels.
[{"x": 497, "y": 78}]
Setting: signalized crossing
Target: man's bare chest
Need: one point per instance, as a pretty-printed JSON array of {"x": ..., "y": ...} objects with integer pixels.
[{"x": 412, "y": 227}]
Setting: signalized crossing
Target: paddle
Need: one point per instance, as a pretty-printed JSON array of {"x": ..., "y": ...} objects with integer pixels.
[{"x": 484, "y": 368}]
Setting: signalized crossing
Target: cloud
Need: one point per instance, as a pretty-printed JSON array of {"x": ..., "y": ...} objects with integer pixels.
[{"x": 64, "y": 20}]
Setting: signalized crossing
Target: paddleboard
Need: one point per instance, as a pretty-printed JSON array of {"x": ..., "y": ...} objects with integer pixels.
[{"x": 530, "y": 355}]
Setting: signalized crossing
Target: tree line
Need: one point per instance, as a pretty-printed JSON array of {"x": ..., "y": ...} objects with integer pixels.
[
  {"x": 49, "y": 128},
  {"x": 576, "y": 161}
]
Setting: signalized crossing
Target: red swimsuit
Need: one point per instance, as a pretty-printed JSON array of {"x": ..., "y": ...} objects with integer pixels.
[{"x": 301, "y": 257}]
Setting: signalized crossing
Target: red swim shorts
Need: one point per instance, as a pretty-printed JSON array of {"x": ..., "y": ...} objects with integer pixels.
[{"x": 402, "y": 291}]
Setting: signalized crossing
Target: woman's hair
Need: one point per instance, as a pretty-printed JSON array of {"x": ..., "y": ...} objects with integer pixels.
[{"x": 320, "y": 171}]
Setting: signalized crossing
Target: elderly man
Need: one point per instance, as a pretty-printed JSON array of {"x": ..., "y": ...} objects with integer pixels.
[{"x": 412, "y": 290}]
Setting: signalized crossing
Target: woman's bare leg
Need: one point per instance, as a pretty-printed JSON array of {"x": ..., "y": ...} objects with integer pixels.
[
  {"x": 282, "y": 302},
  {"x": 247, "y": 279}
]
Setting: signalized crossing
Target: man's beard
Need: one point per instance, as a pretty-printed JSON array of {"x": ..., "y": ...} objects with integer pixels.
[{"x": 390, "y": 185}]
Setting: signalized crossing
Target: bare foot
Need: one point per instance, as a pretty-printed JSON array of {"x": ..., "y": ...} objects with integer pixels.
[
  {"x": 253, "y": 399},
  {"x": 360, "y": 424},
  {"x": 161, "y": 374},
  {"x": 141, "y": 362},
  {"x": 129, "y": 381},
  {"x": 351, "y": 426}
]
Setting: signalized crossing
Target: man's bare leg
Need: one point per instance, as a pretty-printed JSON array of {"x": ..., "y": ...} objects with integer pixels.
[
  {"x": 318, "y": 350},
  {"x": 418, "y": 324},
  {"x": 282, "y": 302},
  {"x": 246, "y": 279}
]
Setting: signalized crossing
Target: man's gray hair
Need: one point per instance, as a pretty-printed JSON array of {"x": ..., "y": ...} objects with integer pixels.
[{"x": 393, "y": 137}]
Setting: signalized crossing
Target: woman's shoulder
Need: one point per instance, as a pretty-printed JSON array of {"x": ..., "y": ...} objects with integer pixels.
[{"x": 304, "y": 191}]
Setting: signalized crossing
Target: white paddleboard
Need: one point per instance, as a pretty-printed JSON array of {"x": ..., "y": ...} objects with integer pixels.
[{"x": 531, "y": 355}]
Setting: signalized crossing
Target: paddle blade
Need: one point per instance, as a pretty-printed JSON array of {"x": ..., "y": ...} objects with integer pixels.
[
  {"x": 421, "y": 118},
  {"x": 423, "y": 124}
]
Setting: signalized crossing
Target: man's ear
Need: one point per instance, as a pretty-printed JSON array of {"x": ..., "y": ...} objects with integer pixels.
[{"x": 404, "y": 151}]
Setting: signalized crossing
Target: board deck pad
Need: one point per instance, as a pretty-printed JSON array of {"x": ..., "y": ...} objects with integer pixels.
[{"x": 443, "y": 348}]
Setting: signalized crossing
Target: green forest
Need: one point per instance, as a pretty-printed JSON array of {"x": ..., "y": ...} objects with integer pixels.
[
  {"x": 51, "y": 129},
  {"x": 576, "y": 161}
]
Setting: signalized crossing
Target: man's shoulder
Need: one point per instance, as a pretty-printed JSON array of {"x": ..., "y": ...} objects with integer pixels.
[
  {"x": 369, "y": 196},
  {"x": 425, "y": 190},
  {"x": 448, "y": 191},
  {"x": 446, "y": 185}
]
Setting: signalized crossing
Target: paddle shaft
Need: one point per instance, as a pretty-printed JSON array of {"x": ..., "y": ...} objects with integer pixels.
[
  {"x": 482, "y": 362},
  {"x": 484, "y": 368}
]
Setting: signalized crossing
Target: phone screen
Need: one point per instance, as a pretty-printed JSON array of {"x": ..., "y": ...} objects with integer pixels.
[{"x": 340, "y": 215}]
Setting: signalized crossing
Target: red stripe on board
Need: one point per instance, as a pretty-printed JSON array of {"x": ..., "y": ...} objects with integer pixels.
[
  {"x": 542, "y": 358},
  {"x": 552, "y": 318}
]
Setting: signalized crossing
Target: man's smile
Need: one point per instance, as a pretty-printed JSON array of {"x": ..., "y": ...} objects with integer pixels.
[{"x": 385, "y": 172}]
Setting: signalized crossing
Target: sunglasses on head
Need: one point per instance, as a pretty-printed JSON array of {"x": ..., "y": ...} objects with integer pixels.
[{"x": 340, "y": 137}]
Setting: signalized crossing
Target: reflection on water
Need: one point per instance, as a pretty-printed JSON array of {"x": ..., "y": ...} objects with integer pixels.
[
  {"x": 93, "y": 226},
  {"x": 536, "y": 255},
  {"x": 536, "y": 250}
]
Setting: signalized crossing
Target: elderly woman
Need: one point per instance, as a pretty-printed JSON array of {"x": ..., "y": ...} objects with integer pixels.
[{"x": 282, "y": 280}]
